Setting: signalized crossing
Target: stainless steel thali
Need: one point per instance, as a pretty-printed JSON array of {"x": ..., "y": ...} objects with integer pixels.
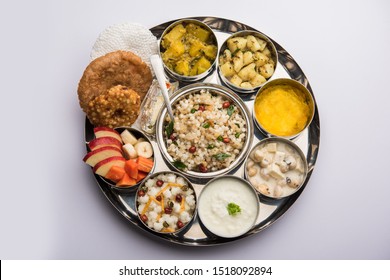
[{"x": 270, "y": 210}]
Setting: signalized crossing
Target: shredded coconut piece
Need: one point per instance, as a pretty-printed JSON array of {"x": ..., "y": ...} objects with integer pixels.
[{"x": 127, "y": 37}]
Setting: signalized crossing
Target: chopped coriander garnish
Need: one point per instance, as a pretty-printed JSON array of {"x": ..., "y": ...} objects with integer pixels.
[
  {"x": 210, "y": 146},
  {"x": 206, "y": 125},
  {"x": 169, "y": 129},
  {"x": 237, "y": 134},
  {"x": 193, "y": 110},
  {"x": 237, "y": 124},
  {"x": 220, "y": 138},
  {"x": 221, "y": 156},
  {"x": 230, "y": 110},
  {"x": 179, "y": 165},
  {"x": 233, "y": 209}
]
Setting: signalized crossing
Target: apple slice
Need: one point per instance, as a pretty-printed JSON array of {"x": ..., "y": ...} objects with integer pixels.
[
  {"x": 102, "y": 167},
  {"x": 104, "y": 141},
  {"x": 102, "y": 131},
  {"x": 93, "y": 157}
]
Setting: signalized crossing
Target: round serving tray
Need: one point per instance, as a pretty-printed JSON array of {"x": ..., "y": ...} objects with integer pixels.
[{"x": 270, "y": 209}]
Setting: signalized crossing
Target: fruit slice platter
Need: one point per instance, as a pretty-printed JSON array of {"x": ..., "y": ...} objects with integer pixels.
[{"x": 125, "y": 159}]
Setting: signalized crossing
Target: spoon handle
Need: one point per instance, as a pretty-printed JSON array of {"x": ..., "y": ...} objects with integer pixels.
[{"x": 159, "y": 71}]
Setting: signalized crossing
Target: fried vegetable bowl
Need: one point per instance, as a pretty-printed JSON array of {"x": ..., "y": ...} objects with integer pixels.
[
  {"x": 188, "y": 49},
  {"x": 247, "y": 59}
]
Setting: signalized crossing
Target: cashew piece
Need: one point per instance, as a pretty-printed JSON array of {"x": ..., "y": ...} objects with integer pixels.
[
  {"x": 252, "y": 171},
  {"x": 293, "y": 182},
  {"x": 263, "y": 174},
  {"x": 283, "y": 167},
  {"x": 263, "y": 188},
  {"x": 265, "y": 162},
  {"x": 291, "y": 162}
]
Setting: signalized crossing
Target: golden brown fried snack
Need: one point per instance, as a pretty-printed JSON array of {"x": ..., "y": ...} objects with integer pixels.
[
  {"x": 119, "y": 106},
  {"x": 115, "y": 68}
]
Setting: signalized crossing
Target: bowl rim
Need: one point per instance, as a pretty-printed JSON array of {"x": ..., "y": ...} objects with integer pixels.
[
  {"x": 282, "y": 81},
  {"x": 196, "y": 87},
  {"x": 195, "y": 211},
  {"x": 224, "y": 46},
  {"x": 291, "y": 144},
  {"x": 248, "y": 184},
  {"x": 172, "y": 73}
]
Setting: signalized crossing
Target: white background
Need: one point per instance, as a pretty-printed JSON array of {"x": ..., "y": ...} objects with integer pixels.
[{"x": 50, "y": 205}]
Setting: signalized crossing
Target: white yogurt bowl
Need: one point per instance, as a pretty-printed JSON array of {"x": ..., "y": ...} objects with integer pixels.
[{"x": 228, "y": 206}]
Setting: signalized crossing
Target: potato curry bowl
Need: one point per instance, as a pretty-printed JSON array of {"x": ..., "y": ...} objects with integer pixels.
[
  {"x": 188, "y": 49},
  {"x": 247, "y": 59},
  {"x": 211, "y": 133}
]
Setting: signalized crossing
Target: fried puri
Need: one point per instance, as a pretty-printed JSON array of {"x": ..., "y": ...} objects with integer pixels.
[{"x": 116, "y": 68}]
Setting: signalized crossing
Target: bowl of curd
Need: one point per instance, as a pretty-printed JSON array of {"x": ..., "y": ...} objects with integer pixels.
[
  {"x": 284, "y": 108},
  {"x": 228, "y": 206}
]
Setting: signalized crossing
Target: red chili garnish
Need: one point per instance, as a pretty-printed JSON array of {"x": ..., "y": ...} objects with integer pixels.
[
  {"x": 167, "y": 210},
  {"x": 180, "y": 224},
  {"x": 192, "y": 149},
  {"x": 178, "y": 198},
  {"x": 158, "y": 198},
  {"x": 201, "y": 108},
  {"x": 172, "y": 137},
  {"x": 226, "y": 140}
]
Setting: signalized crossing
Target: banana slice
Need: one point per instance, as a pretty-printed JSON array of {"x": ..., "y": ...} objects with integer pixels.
[
  {"x": 127, "y": 137},
  {"x": 129, "y": 151},
  {"x": 144, "y": 149}
]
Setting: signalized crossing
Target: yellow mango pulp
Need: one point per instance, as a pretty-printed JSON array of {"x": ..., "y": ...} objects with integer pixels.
[{"x": 282, "y": 110}]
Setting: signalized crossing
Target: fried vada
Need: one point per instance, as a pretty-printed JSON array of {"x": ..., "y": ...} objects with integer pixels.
[{"x": 119, "y": 106}]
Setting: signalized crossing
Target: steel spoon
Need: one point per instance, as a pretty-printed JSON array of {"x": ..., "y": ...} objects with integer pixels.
[{"x": 159, "y": 72}]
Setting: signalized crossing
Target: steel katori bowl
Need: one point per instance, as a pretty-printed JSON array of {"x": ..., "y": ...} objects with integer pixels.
[
  {"x": 281, "y": 173},
  {"x": 208, "y": 141},
  {"x": 161, "y": 201},
  {"x": 193, "y": 56},
  {"x": 261, "y": 57},
  {"x": 141, "y": 137},
  {"x": 228, "y": 206},
  {"x": 280, "y": 113}
]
